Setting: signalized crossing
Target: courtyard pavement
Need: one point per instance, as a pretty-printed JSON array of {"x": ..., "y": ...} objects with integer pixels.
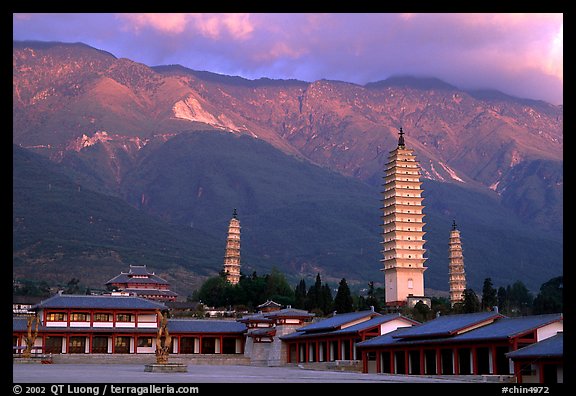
[{"x": 134, "y": 373}]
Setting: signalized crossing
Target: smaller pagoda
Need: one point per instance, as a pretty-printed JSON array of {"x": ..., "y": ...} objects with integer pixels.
[
  {"x": 457, "y": 277},
  {"x": 232, "y": 256}
]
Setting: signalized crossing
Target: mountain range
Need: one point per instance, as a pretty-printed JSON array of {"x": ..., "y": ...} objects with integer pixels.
[{"x": 177, "y": 150}]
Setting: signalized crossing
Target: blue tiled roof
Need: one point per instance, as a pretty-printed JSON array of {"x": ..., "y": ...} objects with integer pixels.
[
  {"x": 293, "y": 336},
  {"x": 205, "y": 326},
  {"x": 377, "y": 320},
  {"x": 336, "y": 321},
  {"x": 385, "y": 339},
  {"x": 449, "y": 324},
  {"x": 502, "y": 328},
  {"x": 550, "y": 347},
  {"x": 509, "y": 327},
  {"x": 98, "y": 302},
  {"x": 20, "y": 324},
  {"x": 288, "y": 312}
]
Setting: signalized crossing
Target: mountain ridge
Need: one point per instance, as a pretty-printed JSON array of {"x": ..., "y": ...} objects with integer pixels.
[{"x": 101, "y": 116}]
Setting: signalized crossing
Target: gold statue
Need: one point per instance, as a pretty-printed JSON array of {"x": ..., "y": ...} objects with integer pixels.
[
  {"x": 30, "y": 338},
  {"x": 163, "y": 339}
]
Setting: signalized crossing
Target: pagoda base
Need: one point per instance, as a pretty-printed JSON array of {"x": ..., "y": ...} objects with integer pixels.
[{"x": 166, "y": 368}]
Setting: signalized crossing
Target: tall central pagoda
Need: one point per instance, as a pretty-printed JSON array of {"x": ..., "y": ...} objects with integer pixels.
[
  {"x": 232, "y": 256},
  {"x": 403, "y": 237}
]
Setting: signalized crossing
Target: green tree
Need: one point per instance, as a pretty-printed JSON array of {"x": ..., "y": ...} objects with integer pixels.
[
  {"x": 489, "y": 295},
  {"x": 471, "y": 303},
  {"x": 520, "y": 299},
  {"x": 215, "y": 292},
  {"x": 314, "y": 295},
  {"x": 300, "y": 295},
  {"x": 326, "y": 299},
  {"x": 73, "y": 286},
  {"x": 550, "y": 297},
  {"x": 503, "y": 302},
  {"x": 421, "y": 312},
  {"x": 343, "y": 301},
  {"x": 441, "y": 305},
  {"x": 372, "y": 298}
]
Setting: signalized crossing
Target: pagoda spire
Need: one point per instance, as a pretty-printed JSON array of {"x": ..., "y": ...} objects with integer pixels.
[{"x": 401, "y": 139}]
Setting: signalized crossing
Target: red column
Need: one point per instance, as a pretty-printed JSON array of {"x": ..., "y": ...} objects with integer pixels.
[
  {"x": 456, "y": 361},
  {"x": 517, "y": 372},
  {"x": 392, "y": 365},
  {"x": 406, "y": 362},
  {"x": 378, "y": 358},
  {"x": 422, "y": 361},
  {"x": 494, "y": 365},
  {"x": 474, "y": 361},
  {"x": 114, "y": 340},
  {"x": 438, "y": 362},
  {"x": 541, "y": 372},
  {"x": 351, "y": 350}
]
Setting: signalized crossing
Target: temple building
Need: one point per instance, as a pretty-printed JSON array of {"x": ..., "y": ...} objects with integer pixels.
[
  {"x": 232, "y": 256},
  {"x": 139, "y": 282},
  {"x": 457, "y": 277},
  {"x": 403, "y": 237}
]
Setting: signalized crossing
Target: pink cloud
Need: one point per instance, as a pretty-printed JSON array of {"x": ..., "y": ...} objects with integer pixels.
[{"x": 213, "y": 26}]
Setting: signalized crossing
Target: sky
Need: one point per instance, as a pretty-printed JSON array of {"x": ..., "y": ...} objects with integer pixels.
[{"x": 518, "y": 54}]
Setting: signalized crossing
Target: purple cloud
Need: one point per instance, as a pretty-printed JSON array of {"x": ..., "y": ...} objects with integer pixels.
[{"x": 519, "y": 54}]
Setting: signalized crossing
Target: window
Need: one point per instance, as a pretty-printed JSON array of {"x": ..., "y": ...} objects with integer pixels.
[
  {"x": 145, "y": 342},
  {"x": 124, "y": 317},
  {"x": 80, "y": 317},
  {"x": 102, "y": 317},
  {"x": 56, "y": 317},
  {"x": 100, "y": 344},
  {"x": 77, "y": 345},
  {"x": 410, "y": 283}
]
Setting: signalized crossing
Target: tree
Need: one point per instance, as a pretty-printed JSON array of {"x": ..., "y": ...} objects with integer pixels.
[
  {"x": 277, "y": 287},
  {"x": 343, "y": 301},
  {"x": 421, "y": 312},
  {"x": 73, "y": 286},
  {"x": 300, "y": 295},
  {"x": 471, "y": 303},
  {"x": 520, "y": 299},
  {"x": 372, "y": 299},
  {"x": 215, "y": 292},
  {"x": 326, "y": 299},
  {"x": 489, "y": 295},
  {"x": 313, "y": 298},
  {"x": 550, "y": 297},
  {"x": 503, "y": 302}
]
